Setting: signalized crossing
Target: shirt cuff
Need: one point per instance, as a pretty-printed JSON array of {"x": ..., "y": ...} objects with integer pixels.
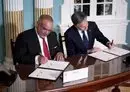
[
  {"x": 36, "y": 60},
  {"x": 107, "y": 44}
]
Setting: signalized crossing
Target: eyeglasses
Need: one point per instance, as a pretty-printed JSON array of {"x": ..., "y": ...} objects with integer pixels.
[{"x": 45, "y": 28}]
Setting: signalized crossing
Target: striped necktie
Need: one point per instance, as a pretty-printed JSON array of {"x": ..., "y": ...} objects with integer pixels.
[{"x": 85, "y": 40}]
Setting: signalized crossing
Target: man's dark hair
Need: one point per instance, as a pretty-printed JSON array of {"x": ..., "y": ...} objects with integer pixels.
[{"x": 78, "y": 17}]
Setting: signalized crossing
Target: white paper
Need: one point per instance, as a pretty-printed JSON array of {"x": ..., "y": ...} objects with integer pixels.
[
  {"x": 104, "y": 56},
  {"x": 74, "y": 75},
  {"x": 76, "y": 82},
  {"x": 117, "y": 51},
  {"x": 45, "y": 74},
  {"x": 51, "y": 64}
]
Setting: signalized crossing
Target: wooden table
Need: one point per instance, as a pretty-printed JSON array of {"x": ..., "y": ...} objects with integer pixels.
[
  {"x": 96, "y": 84},
  {"x": 101, "y": 78},
  {"x": 2, "y": 87}
]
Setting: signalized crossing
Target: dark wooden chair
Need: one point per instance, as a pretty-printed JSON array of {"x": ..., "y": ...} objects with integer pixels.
[
  {"x": 126, "y": 61},
  {"x": 62, "y": 43},
  {"x": 12, "y": 49}
]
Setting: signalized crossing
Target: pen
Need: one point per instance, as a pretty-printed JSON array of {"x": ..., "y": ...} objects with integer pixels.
[{"x": 112, "y": 42}]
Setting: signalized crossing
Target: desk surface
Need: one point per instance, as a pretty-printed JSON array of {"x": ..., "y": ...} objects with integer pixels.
[{"x": 101, "y": 75}]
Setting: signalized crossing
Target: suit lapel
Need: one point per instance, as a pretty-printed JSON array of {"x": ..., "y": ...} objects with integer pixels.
[
  {"x": 78, "y": 38},
  {"x": 89, "y": 35},
  {"x": 89, "y": 32},
  {"x": 36, "y": 41},
  {"x": 49, "y": 42}
]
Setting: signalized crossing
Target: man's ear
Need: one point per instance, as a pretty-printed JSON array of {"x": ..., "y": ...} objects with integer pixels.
[{"x": 36, "y": 24}]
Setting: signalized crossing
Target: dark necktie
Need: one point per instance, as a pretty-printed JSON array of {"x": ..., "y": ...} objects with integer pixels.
[
  {"x": 85, "y": 40},
  {"x": 45, "y": 49}
]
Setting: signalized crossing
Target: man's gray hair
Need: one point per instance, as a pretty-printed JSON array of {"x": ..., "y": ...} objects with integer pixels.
[
  {"x": 47, "y": 17},
  {"x": 78, "y": 17}
]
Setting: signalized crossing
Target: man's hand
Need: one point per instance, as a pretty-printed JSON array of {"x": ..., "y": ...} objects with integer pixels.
[
  {"x": 94, "y": 49},
  {"x": 42, "y": 59},
  {"x": 59, "y": 56},
  {"x": 110, "y": 44}
]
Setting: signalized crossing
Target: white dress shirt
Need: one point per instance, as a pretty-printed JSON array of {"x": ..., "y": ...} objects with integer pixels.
[
  {"x": 41, "y": 46},
  {"x": 81, "y": 34}
]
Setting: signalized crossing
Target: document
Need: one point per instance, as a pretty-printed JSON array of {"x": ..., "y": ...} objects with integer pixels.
[
  {"x": 58, "y": 65},
  {"x": 117, "y": 51},
  {"x": 104, "y": 56},
  {"x": 69, "y": 76},
  {"x": 50, "y": 70},
  {"x": 45, "y": 74}
]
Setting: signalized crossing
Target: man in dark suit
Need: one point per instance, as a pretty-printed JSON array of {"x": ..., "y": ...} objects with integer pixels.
[
  {"x": 37, "y": 45},
  {"x": 80, "y": 37}
]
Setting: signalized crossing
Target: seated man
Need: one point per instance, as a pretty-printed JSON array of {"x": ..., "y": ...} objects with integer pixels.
[
  {"x": 37, "y": 45},
  {"x": 80, "y": 36}
]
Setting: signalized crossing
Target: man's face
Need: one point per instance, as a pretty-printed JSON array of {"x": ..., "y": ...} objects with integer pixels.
[
  {"x": 44, "y": 28},
  {"x": 83, "y": 25}
]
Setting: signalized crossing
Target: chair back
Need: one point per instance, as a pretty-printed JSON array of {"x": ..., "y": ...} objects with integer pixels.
[
  {"x": 12, "y": 50},
  {"x": 62, "y": 43}
]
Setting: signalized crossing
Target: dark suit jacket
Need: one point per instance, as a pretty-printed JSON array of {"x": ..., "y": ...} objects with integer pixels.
[
  {"x": 27, "y": 46},
  {"x": 74, "y": 42}
]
